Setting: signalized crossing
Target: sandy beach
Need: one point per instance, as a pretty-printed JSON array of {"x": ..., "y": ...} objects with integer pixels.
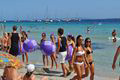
[{"x": 55, "y": 75}]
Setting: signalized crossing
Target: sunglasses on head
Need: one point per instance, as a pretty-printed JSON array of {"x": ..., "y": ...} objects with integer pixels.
[{"x": 88, "y": 41}]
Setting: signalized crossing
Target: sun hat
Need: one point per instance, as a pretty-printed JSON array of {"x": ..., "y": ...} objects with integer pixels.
[{"x": 30, "y": 67}]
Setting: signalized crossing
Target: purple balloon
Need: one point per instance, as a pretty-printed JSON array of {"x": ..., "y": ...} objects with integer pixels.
[
  {"x": 69, "y": 56},
  {"x": 29, "y": 45},
  {"x": 47, "y": 48}
]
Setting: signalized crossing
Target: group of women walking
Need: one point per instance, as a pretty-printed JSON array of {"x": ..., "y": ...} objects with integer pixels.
[{"x": 81, "y": 61}]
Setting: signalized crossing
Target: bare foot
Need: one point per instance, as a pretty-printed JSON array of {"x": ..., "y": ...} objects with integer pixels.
[
  {"x": 56, "y": 67},
  {"x": 51, "y": 67}
]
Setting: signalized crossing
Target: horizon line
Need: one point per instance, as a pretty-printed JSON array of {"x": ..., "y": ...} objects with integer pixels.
[{"x": 57, "y": 19}]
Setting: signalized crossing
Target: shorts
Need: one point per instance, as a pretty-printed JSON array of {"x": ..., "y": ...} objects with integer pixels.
[{"x": 62, "y": 56}]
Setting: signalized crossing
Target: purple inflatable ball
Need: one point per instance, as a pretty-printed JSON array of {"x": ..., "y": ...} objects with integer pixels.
[
  {"x": 29, "y": 45},
  {"x": 69, "y": 56},
  {"x": 47, "y": 48}
]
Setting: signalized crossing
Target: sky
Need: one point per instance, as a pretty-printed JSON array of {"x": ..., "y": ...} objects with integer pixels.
[{"x": 36, "y": 9}]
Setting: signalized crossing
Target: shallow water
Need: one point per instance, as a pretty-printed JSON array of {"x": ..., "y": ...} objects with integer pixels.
[{"x": 103, "y": 48}]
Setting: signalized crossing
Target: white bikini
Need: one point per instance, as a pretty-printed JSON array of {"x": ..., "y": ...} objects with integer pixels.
[{"x": 79, "y": 53}]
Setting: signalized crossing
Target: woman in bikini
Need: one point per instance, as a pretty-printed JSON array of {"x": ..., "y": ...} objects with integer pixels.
[
  {"x": 45, "y": 57},
  {"x": 53, "y": 56},
  {"x": 80, "y": 58},
  {"x": 71, "y": 42},
  {"x": 23, "y": 38},
  {"x": 89, "y": 51}
]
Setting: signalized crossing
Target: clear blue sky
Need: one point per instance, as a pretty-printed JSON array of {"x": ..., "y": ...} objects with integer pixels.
[{"x": 35, "y": 9}]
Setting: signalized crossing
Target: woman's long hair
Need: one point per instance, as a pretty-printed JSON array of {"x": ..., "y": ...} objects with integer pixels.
[
  {"x": 77, "y": 41},
  {"x": 71, "y": 37},
  {"x": 86, "y": 42},
  {"x": 24, "y": 33}
]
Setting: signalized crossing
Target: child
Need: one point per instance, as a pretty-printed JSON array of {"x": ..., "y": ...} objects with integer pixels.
[
  {"x": 23, "y": 38},
  {"x": 44, "y": 56},
  {"x": 53, "y": 56},
  {"x": 29, "y": 75}
]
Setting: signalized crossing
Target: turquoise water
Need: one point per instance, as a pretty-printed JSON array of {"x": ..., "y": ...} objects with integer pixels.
[{"x": 104, "y": 49}]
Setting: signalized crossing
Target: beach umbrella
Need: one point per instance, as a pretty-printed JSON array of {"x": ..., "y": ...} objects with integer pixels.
[{"x": 9, "y": 60}]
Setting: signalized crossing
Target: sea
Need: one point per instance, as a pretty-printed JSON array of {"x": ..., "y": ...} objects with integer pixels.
[{"x": 100, "y": 34}]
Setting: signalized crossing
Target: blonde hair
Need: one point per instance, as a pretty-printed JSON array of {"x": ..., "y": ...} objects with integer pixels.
[{"x": 5, "y": 33}]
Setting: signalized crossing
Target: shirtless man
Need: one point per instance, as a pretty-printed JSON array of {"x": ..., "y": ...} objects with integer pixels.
[{"x": 5, "y": 41}]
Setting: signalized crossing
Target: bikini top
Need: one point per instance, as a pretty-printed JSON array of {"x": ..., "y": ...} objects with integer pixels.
[
  {"x": 89, "y": 52},
  {"x": 80, "y": 53}
]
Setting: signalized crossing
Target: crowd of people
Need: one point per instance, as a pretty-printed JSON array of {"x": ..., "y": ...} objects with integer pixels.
[{"x": 81, "y": 61}]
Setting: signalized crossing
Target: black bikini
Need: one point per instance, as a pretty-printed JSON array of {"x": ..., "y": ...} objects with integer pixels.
[{"x": 90, "y": 52}]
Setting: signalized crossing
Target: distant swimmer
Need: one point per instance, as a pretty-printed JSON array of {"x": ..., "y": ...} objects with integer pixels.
[
  {"x": 28, "y": 31},
  {"x": 88, "y": 30},
  {"x": 114, "y": 35}
]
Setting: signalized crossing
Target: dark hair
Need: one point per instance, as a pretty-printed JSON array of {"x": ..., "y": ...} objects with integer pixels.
[
  {"x": 25, "y": 34},
  {"x": 22, "y": 39},
  {"x": 114, "y": 30},
  {"x": 28, "y": 74},
  {"x": 61, "y": 31},
  {"x": 86, "y": 41},
  {"x": 8, "y": 34},
  {"x": 72, "y": 37},
  {"x": 51, "y": 36},
  {"x": 14, "y": 28},
  {"x": 77, "y": 39},
  {"x": 44, "y": 33}
]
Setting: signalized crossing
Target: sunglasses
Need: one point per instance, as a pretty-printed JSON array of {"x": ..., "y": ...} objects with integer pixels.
[{"x": 81, "y": 39}]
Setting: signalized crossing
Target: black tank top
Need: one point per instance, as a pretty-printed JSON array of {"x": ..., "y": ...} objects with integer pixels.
[
  {"x": 14, "y": 39},
  {"x": 63, "y": 44}
]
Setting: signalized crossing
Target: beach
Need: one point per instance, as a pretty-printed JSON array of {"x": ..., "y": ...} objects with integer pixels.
[
  {"x": 53, "y": 74},
  {"x": 103, "y": 48}
]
